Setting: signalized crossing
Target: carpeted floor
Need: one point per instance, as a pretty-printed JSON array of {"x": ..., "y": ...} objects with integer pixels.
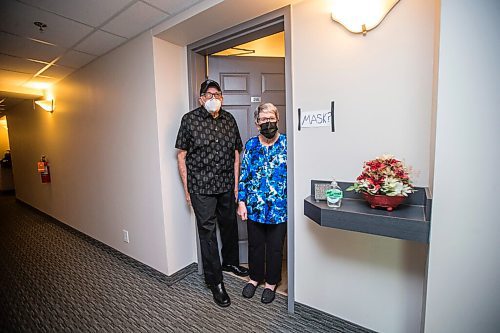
[{"x": 55, "y": 279}]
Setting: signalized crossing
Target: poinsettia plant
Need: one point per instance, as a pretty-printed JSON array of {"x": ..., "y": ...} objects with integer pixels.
[{"x": 385, "y": 175}]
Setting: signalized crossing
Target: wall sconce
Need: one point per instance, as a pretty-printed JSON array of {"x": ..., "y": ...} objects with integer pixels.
[
  {"x": 361, "y": 16},
  {"x": 46, "y": 104}
]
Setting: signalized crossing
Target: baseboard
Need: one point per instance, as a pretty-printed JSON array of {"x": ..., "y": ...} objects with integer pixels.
[
  {"x": 134, "y": 263},
  {"x": 319, "y": 316}
]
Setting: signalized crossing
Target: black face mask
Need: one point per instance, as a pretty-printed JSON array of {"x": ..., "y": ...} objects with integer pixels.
[{"x": 268, "y": 130}]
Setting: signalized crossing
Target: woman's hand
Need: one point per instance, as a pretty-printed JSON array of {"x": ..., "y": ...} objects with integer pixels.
[{"x": 242, "y": 210}]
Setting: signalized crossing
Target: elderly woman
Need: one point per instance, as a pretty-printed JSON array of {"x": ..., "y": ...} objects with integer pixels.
[{"x": 262, "y": 201}]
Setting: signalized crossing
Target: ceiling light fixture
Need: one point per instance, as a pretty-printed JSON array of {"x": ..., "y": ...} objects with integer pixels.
[
  {"x": 41, "y": 26},
  {"x": 361, "y": 16}
]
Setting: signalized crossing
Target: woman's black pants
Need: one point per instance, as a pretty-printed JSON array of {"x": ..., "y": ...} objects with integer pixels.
[{"x": 265, "y": 251}]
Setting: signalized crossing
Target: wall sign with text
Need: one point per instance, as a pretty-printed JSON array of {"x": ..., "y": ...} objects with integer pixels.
[{"x": 321, "y": 118}]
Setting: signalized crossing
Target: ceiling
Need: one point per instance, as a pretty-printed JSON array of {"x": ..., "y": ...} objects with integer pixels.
[
  {"x": 76, "y": 32},
  {"x": 79, "y": 31}
]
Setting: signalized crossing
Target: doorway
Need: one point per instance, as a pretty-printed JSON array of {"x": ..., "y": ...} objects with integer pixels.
[
  {"x": 6, "y": 174},
  {"x": 247, "y": 80}
]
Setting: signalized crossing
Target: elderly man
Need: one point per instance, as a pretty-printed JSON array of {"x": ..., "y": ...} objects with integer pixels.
[{"x": 209, "y": 146}]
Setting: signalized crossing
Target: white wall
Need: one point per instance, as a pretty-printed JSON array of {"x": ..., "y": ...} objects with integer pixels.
[
  {"x": 102, "y": 145},
  {"x": 382, "y": 88},
  {"x": 435, "y": 81},
  {"x": 172, "y": 102},
  {"x": 464, "y": 270}
]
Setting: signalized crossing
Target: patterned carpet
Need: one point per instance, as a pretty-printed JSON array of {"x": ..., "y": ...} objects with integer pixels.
[{"x": 55, "y": 279}]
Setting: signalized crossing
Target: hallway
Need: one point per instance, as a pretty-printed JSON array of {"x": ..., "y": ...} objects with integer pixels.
[{"x": 56, "y": 279}]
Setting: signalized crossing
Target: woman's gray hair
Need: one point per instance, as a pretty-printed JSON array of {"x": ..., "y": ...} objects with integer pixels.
[{"x": 265, "y": 107}]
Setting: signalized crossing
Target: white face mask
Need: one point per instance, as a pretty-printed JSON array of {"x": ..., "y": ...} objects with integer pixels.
[{"x": 212, "y": 105}]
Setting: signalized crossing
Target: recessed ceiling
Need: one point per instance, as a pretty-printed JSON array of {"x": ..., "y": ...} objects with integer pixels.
[{"x": 76, "y": 33}]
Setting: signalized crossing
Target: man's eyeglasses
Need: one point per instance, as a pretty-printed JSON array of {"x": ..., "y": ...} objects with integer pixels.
[
  {"x": 267, "y": 120},
  {"x": 209, "y": 95}
]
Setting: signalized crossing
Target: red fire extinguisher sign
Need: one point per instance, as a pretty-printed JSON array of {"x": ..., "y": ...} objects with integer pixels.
[{"x": 41, "y": 166}]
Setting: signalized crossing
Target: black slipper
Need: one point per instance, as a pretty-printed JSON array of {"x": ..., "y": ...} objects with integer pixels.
[
  {"x": 248, "y": 290},
  {"x": 268, "y": 295}
]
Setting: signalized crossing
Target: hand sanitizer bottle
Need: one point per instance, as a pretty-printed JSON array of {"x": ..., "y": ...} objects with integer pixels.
[{"x": 334, "y": 195}]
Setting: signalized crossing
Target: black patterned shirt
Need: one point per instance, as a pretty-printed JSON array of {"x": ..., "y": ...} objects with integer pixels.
[{"x": 210, "y": 144}]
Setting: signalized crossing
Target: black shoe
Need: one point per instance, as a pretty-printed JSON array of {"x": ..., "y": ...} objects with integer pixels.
[
  {"x": 248, "y": 290},
  {"x": 238, "y": 270},
  {"x": 221, "y": 297},
  {"x": 268, "y": 296}
]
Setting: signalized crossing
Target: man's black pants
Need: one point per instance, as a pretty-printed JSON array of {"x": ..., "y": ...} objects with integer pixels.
[
  {"x": 265, "y": 251},
  {"x": 210, "y": 210}
]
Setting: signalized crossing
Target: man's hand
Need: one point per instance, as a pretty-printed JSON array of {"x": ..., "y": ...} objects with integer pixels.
[
  {"x": 242, "y": 211},
  {"x": 181, "y": 163}
]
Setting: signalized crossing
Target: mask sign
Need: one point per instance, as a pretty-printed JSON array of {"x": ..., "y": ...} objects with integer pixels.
[{"x": 321, "y": 118}]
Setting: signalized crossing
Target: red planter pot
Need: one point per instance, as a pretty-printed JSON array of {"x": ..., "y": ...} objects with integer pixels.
[{"x": 384, "y": 201}]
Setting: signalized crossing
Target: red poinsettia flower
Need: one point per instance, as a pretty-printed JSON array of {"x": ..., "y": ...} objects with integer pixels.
[{"x": 384, "y": 175}]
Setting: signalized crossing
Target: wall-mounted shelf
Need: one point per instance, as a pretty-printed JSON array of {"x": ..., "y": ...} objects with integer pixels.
[{"x": 410, "y": 221}]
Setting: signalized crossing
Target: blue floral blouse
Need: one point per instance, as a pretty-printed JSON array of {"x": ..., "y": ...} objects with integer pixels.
[{"x": 262, "y": 183}]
